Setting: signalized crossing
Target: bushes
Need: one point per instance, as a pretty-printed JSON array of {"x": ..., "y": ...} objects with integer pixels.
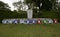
[
  {"x": 11, "y": 14},
  {"x": 49, "y": 14},
  {"x": 22, "y": 14}
]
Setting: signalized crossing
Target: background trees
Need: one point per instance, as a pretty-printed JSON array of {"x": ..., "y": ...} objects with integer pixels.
[
  {"x": 4, "y": 10},
  {"x": 41, "y": 9},
  {"x": 46, "y": 4}
]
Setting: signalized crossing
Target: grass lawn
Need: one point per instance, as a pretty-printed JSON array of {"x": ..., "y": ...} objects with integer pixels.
[{"x": 21, "y": 30}]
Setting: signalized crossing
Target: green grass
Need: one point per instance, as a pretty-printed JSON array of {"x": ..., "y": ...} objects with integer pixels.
[{"x": 21, "y": 30}]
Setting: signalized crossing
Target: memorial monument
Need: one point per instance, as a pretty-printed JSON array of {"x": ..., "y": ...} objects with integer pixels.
[{"x": 29, "y": 12}]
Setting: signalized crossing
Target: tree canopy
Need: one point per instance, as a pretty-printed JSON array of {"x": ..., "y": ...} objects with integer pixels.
[
  {"x": 46, "y": 4},
  {"x": 3, "y": 6},
  {"x": 4, "y": 10}
]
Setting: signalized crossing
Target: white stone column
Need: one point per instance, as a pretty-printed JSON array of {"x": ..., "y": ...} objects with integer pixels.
[{"x": 29, "y": 13}]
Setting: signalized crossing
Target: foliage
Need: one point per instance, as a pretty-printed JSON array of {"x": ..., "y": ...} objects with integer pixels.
[
  {"x": 46, "y": 4},
  {"x": 45, "y": 11},
  {"x": 4, "y": 10}
]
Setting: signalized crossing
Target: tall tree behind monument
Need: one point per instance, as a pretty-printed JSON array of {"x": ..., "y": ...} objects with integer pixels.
[{"x": 46, "y": 4}]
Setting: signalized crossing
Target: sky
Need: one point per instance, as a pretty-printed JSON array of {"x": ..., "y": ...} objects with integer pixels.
[
  {"x": 59, "y": 0},
  {"x": 11, "y": 1}
]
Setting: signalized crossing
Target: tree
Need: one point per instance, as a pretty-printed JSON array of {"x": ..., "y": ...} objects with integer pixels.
[
  {"x": 58, "y": 6},
  {"x": 20, "y": 6},
  {"x": 4, "y": 10},
  {"x": 46, "y": 4},
  {"x": 39, "y": 6},
  {"x": 4, "y": 6}
]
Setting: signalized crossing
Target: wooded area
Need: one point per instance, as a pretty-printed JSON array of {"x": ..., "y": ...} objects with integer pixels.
[{"x": 49, "y": 9}]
